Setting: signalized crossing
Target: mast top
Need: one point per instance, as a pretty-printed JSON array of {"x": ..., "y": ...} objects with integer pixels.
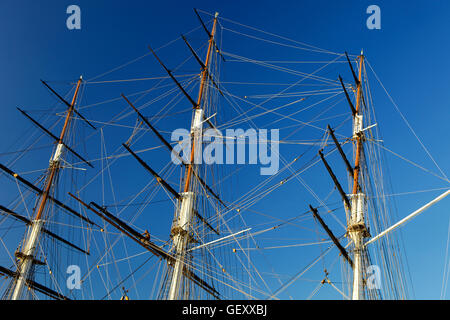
[{"x": 216, "y": 15}]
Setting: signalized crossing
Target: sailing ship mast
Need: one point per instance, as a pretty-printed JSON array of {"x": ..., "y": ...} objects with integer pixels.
[
  {"x": 356, "y": 226},
  {"x": 355, "y": 203},
  {"x": 182, "y": 224},
  {"x": 179, "y": 271},
  {"x": 179, "y": 279},
  {"x": 27, "y": 254}
]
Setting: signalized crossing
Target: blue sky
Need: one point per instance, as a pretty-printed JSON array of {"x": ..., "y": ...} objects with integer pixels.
[{"x": 409, "y": 54}]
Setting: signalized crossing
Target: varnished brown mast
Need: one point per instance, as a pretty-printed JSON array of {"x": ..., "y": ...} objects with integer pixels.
[
  {"x": 199, "y": 101},
  {"x": 54, "y": 169},
  {"x": 358, "y": 137},
  {"x": 357, "y": 229}
]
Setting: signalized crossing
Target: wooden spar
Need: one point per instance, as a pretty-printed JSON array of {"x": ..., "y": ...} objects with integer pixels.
[
  {"x": 54, "y": 168},
  {"x": 205, "y": 222},
  {"x": 15, "y": 215},
  {"x": 133, "y": 234},
  {"x": 55, "y": 138},
  {"x": 69, "y": 105},
  {"x": 331, "y": 235},
  {"x": 153, "y": 172},
  {"x": 200, "y": 282},
  {"x": 141, "y": 240},
  {"x": 40, "y": 191},
  {"x": 194, "y": 105},
  {"x": 121, "y": 225},
  {"x": 335, "y": 180},
  {"x": 202, "y": 64},
  {"x": 341, "y": 152},
  {"x": 153, "y": 248},
  {"x": 199, "y": 100},
  {"x": 203, "y": 24},
  {"x": 36, "y": 286},
  {"x": 357, "y": 81},
  {"x": 160, "y": 137},
  {"x": 209, "y": 34},
  {"x": 348, "y": 97},
  {"x": 174, "y": 79},
  {"x": 46, "y": 231},
  {"x": 358, "y": 136},
  {"x": 167, "y": 144},
  {"x": 166, "y": 185}
]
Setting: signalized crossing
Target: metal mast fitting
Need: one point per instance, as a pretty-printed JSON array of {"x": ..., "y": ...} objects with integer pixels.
[
  {"x": 182, "y": 225},
  {"x": 26, "y": 256}
]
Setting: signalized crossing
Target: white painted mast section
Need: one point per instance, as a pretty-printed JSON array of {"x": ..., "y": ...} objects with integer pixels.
[
  {"x": 28, "y": 254},
  {"x": 357, "y": 231},
  {"x": 32, "y": 240},
  {"x": 180, "y": 242},
  {"x": 182, "y": 225},
  {"x": 409, "y": 217},
  {"x": 356, "y": 225}
]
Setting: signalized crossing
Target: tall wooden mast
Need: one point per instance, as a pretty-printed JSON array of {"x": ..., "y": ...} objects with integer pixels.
[
  {"x": 357, "y": 229},
  {"x": 357, "y": 127},
  {"x": 181, "y": 227},
  {"x": 27, "y": 255}
]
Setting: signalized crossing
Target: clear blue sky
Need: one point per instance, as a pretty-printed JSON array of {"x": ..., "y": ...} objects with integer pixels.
[{"x": 409, "y": 54}]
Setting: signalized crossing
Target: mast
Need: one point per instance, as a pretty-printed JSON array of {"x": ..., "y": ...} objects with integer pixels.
[
  {"x": 27, "y": 253},
  {"x": 356, "y": 224},
  {"x": 181, "y": 227}
]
